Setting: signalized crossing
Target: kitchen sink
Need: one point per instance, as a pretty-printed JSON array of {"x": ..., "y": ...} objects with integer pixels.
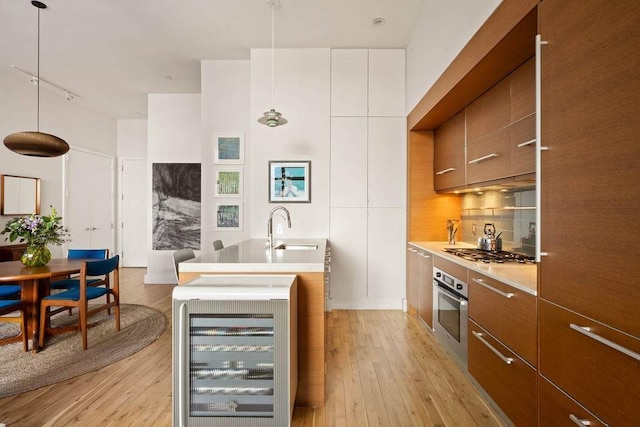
[{"x": 297, "y": 247}]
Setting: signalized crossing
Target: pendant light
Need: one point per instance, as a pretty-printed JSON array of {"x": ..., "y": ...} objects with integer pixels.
[
  {"x": 272, "y": 118},
  {"x": 36, "y": 144}
]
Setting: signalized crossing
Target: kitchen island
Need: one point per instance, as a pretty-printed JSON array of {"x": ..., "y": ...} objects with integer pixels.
[{"x": 306, "y": 259}]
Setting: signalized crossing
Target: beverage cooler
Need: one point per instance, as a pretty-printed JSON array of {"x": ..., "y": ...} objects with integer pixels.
[{"x": 235, "y": 351}]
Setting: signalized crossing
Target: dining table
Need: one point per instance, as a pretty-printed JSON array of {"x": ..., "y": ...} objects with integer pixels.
[{"x": 35, "y": 282}]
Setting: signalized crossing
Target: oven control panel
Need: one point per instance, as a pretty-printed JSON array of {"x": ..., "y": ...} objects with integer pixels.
[{"x": 450, "y": 281}]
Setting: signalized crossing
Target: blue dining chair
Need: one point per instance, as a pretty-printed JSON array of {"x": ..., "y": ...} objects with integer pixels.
[
  {"x": 71, "y": 282},
  {"x": 80, "y": 296},
  {"x": 7, "y": 307},
  {"x": 10, "y": 291}
]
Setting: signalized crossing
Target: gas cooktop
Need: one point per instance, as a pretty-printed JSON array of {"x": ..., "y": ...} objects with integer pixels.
[{"x": 498, "y": 257}]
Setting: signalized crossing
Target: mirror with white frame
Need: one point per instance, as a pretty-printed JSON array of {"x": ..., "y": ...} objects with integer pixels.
[{"x": 20, "y": 195}]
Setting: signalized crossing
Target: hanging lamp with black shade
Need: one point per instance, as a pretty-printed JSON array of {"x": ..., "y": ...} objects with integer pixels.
[
  {"x": 36, "y": 144},
  {"x": 272, "y": 118}
]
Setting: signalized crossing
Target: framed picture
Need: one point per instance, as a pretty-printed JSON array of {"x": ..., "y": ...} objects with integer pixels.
[
  {"x": 229, "y": 216},
  {"x": 228, "y": 148},
  {"x": 290, "y": 181},
  {"x": 228, "y": 181}
]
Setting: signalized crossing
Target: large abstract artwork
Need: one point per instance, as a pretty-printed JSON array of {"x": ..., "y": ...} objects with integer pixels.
[{"x": 176, "y": 206}]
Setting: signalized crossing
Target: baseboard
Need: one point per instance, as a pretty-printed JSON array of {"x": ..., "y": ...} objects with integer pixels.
[
  {"x": 366, "y": 304},
  {"x": 159, "y": 279}
]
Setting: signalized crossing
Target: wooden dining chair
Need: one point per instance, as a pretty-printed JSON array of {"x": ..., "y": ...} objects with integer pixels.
[
  {"x": 179, "y": 256},
  {"x": 70, "y": 282},
  {"x": 80, "y": 296},
  {"x": 8, "y": 306}
]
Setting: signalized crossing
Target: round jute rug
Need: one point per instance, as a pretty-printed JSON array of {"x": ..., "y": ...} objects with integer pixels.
[{"x": 63, "y": 358}]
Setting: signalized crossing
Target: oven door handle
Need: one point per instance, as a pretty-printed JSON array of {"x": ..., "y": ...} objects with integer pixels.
[{"x": 458, "y": 300}]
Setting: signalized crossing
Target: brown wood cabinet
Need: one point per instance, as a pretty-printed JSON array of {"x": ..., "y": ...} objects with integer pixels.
[
  {"x": 419, "y": 284},
  {"x": 449, "y": 162},
  {"x": 12, "y": 252},
  {"x": 558, "y": 409},
  {"x": 425, "y": 306},
  {"x": 413, "y": 280},
  {"x": 501, "y": 128},
  {"x": 507, "y": 313},
  {"x": 599, "y": 376},
  {"x": 590, "y": 173},
  {"x": 590, "y": 86},
  {"x": 589, "y": 177},
  {"x": 508, "y": 379}
]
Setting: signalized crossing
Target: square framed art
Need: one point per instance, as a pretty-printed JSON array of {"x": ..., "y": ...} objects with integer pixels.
[
  {"x": 290, "y": 181},
  {"x": 228, "y": 148},
  {"x": 228, "y": 216},
  {"x": 228, "y": 181}
]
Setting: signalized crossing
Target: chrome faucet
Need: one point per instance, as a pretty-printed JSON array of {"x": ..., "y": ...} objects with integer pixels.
[{"x": 270, "y": 224}]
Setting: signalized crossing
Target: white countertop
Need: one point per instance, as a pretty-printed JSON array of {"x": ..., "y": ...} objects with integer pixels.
[
  {"x": 235, "y": 287},
  {"x": 252, "y": 256},
  {"x": 523, "y": 277}
]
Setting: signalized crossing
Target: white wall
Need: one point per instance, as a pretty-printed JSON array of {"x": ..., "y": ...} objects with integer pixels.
[
  {"x": 225, "y": 109},
  {"x": 69, "y": 120},
  {"x": 439, "y": 34},
  {"x": 174, "y": 136},
  {"x": 132, "y": 138},
  {"x": 302, "y": 95}
]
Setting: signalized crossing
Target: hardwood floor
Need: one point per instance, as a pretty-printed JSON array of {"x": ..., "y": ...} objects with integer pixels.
[{"x": 383, "y": 369}]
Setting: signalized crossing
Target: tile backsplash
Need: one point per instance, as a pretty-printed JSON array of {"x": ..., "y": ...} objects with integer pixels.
[{"x": 512, "y": 212}]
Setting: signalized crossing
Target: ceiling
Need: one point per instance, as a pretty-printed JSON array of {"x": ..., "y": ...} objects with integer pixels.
[{"x": 112, "y": 53}]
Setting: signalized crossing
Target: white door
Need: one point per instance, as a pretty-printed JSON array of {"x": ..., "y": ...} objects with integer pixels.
[
  {"x": 89, "y": 200},
  {"x": 133, "y": 178}
]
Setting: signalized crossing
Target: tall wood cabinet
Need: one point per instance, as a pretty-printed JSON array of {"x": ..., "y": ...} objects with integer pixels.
[{"x": 590, "y": 299}]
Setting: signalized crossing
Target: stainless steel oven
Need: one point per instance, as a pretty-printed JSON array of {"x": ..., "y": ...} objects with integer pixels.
[{"x": 450, "y": 312}]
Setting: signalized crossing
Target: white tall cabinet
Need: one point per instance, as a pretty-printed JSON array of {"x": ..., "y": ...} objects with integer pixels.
[{"x": 368, "y": 178}]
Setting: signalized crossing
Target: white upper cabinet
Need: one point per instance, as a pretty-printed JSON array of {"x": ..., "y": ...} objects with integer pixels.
[
  {"x": 386, "y": 162},
  {"x": 368, "y": 82},
  {"x": 349, "y": 82},
  {"x": 387, "y": 82}
]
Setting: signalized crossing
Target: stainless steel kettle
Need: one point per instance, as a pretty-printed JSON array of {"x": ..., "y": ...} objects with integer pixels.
[{"x": 490, "y": 242}]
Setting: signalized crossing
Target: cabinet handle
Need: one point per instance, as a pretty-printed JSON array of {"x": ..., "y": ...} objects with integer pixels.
[
  {"x": 497, "y": 291},
  {"x": 578, "y": 421},
  {"x": 585, "y": 330},
  {"x": 424, "y": 256},
  {"x": 507, "y": 360},
  {"x": 539, "y": 147},
  {"x": 182, "y": 324},
  {"x": 412, "y": 250},
  {"x": 443, "y": 171},
  {"x": 488, "y": 156},
  {"x": 524, "y": 144}
]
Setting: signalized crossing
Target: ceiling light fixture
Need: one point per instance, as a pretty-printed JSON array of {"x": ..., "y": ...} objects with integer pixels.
[
  {"x": 378, "y": 21},
  {"x": 272, "y": 118},
  {"x": 47, "y": 84},
  {"x": 37, "y": 144}
]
